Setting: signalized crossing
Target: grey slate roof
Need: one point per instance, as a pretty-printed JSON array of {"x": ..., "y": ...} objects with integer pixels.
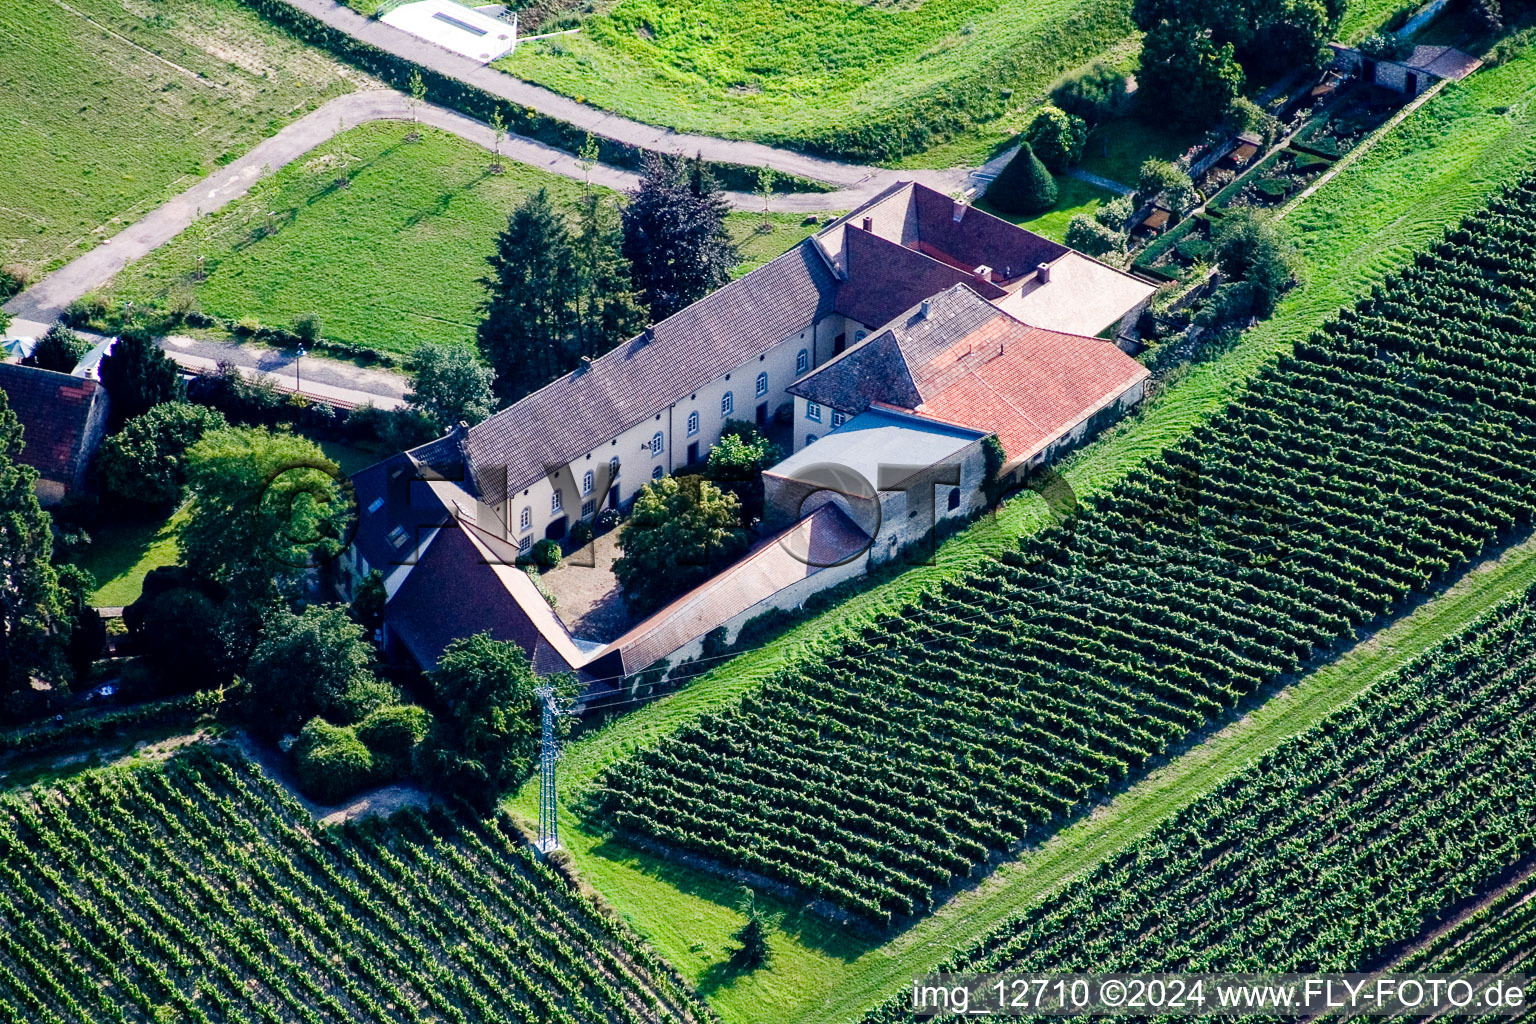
[
  {"x": 387, "y": 499},
  {"x": 573, "y": 415},
  {"x": 880, "y": 368}
]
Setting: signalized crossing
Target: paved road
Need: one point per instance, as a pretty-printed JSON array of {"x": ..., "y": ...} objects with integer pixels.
[{"x": 46, "y": 300}]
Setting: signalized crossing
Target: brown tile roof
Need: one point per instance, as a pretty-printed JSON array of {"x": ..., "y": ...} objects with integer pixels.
[
  {"x": 584, "y": 409},
  {"x": 824, "y": 538},
  {"x": 1030, "y": 386},
  {"x": 885, "y": 277},
  {"x": 1442, "y": 62},
  {"x": 55, "y": 413}
]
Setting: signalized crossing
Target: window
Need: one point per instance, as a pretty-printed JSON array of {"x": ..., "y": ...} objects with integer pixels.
[
  {"x": 954, "y": 498},
  {"x": 525, "y": 521},
  {"x": 657, "y": 444},
  {"x": 656, "y": 473},
  {"x": 810, "y": 438},
  {"x": 858, "y": 336},
  {"x": 588, "y": 481},
  {"x": 727, "y": 404},
  {"x": 813, "y": 411},
  {"x": 375, "y": 505},
  {"x": 587, "y": 508},
  {"x": 802, "y": 361},
  {"x": 613, "y": 469},
  {"x": 524, "y": 543},
  {"x": 693, "y": 422},
  {"x": 838, "y": 419},
  {"x": 556, "y": 503},
  {"x": 762, "y": 385},
  {"x": 397, "y": 536}
]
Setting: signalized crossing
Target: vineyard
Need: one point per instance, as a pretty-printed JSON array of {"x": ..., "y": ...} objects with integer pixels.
[
  {"x": 1386, "y": 451},
  {"x": 199, "y": 892},
  {"x": 1349, "y": 841}
]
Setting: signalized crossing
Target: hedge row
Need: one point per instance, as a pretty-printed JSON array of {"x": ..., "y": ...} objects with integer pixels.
[{"x": 35, "y": 739}]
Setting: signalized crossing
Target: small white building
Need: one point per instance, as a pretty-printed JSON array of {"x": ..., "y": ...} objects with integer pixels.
[{"x": 456, "y": 28}]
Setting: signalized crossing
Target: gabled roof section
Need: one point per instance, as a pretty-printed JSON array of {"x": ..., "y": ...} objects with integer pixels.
[
  {"x": 398, "y": 511},
  {"x": 587, "y": 408},
  {"x": 888, "y": 366},
  {"x": 55, "y": 411},
  {"x": 886, "y": 277}
]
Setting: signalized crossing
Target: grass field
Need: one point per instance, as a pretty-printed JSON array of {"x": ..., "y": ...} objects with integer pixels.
[
  {"x": 1072, "y": 197},
  {"x": 803, "y": 71},
  {"x": 1435, "y": 167},
  {"x": 112, "y": 106},
  {"x": 121, "y": 553},
  {"x": 390, "y": 260}
]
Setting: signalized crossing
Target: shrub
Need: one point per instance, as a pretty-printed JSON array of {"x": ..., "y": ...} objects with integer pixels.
[
  {"x": 144, "y": 462},
  {"x": 546, "y": 554},
  {"x": 58, "y": 350},
  {"x": 1383, "y": 46},
  {"x": 607, "y": 519},
  {"x": 1162, "y": 181},
  {"x": 1056, "y": 137},
  {"x": 1087, "y": 235},
  {"x": 581, "y": 532},
  {"x": 392, "y": 734},
  {"x": 1024, "y": 187},
  {"x": 1244, "y": 115},
  {"x": 331, "y": 763},
  {"x": 1194, "y": 250},
  {"x": 1095, "y": 93},
  {"x": 1272, "y": 188}
]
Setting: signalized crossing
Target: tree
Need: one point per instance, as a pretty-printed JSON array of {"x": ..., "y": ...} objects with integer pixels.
[
  {"x": 418, "y": 91},
  {"x": 263, "y": 507},
  {"x": 737, "y": 462},
  {"x": 1186, "y": 75},
  {"x": 87, "y": 633},
  {"x": 58, "y": 350},
  {"x": 1085, "y": 234},
  {"x": 499, "y": 134},
  {"x": 675, "y": 237},
  {"x": 181, "y": 631},
  {"x": 529, "y": 332},
  {"x": 34, "y": 612},
  {"x": 1249, "y": 248},
  {"x": 145, "y": 462},
  {"x": 681, "y": 531},
  {"x": 1264, "y": 37},
  {"x": 318, "y": 662},
  {"x": 608, "y": 310},
  {"x": 392, "y": 735},
  {"x": 449, "y": 384},
  {"x": 1024, "y": 187},
  {"x": 487, "y": 740},
  {"x": 1161, "y": 181},
  {"x": 766, "y": 176},
  {"x": 1056, "y": 137},
  {"x": 753, "y": 936},
  {"x": 138, "y": 376}
]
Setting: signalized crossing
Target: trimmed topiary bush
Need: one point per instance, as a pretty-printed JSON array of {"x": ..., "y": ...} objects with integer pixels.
[
  {"x": 1024, "y": 187},
  {"x": 546, "y": 554},
  {"x": 1057, "y": 138}
]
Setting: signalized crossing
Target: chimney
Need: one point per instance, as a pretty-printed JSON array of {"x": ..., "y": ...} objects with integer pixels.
[
  {"x": 959, "y": 213},
  {"x": 1043, "y": 271},
  {"x": 982, "y": 273},
  {"x": 869, "y": 224},
  {"x": 584, "y": 364},
  {"x": 926, "y": 308}
]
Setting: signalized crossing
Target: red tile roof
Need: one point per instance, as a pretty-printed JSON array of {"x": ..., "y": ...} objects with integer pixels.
[
  {"x": 1029, "y": 385},
  {"x": 55, "y": 413}
]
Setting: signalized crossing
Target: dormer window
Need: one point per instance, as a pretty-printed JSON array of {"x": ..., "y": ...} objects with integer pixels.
[{"x": 397, "y": 536}]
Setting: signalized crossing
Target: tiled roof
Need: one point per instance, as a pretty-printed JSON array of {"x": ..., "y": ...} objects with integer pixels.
[
  {"x": 824, "y": 538},
  {"x": 395, "y": 510},
  {"x": 1028, "y": 385},
  {"x": 885, "y": 277},
  {"x": 453, "y": 593},
  {"x": 55, "y": 412},
  {"x": 883, "y": 367},
  {"x": 584, "y": 409}
]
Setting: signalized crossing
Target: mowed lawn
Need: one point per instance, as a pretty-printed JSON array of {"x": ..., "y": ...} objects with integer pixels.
[
  {"x": 389, "y": 260},
  {"x": 1438, "y": 165},
  {"x": 109, "y": 107}
]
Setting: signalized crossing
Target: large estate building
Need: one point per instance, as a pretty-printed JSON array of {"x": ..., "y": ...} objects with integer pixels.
[{"x": 882, "y": 351}]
